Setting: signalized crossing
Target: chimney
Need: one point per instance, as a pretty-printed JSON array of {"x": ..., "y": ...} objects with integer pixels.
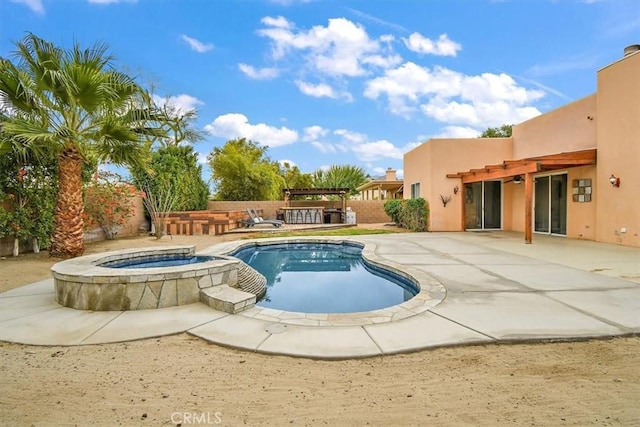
[
  {"x": 633, "y": 48},
  {"x": 390, "y": 175}
]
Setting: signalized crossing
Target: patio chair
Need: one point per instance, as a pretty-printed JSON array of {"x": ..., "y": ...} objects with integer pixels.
[{"x": 255, "y": 219}]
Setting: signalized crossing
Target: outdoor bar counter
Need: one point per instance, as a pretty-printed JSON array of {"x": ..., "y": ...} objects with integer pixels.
[{"x": 304, "y": 215}]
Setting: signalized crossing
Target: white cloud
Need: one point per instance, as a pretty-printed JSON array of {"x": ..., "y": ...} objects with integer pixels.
[
  {"x": 367, "y": 150},
  {"x": 313, "y": 133},
  {"x": 197, "y": 45},
  {"x": 376, "y": 150},
  {"x": 290, "y": 162},
  {"x": 458, "y": 132},
  {"x": 452, "y": 97},
  {"x": 424, "y": 45},
  {"x": 202, "y": 159},
  {"x": 317, "y": 91},
  {"x": 325, "y": 147},
  {"x": 342, "y": 48},
  {"x": 350, "y": 136},
  {"x": 237, "y": 126},
  {"x": 35, "y": 5},
  {"x": 266, "y": 73},
  {"x": 180, "y": 104},
  {"x": 277, "y": 22}
]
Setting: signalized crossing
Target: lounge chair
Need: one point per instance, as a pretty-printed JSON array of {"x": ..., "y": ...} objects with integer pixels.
[{"x": 255, "y": 219}]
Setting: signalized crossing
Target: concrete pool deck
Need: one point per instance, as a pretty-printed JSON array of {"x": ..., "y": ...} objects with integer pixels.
[{"x": 497, "y": 290}]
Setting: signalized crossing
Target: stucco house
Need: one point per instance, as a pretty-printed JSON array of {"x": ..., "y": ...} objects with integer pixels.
[
  {"x": 574, "y": 171},
  {"x": 382, "y": 188}
]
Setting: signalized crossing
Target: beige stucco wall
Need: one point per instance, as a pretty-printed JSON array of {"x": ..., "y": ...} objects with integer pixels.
[
  {"x": 562, "y": 130},
  {"x": 618, "y": 117},
  {"x": 608, "y": 120},
  {"x": 430, "y": 163},
  {"x": 581, "y": 216}
]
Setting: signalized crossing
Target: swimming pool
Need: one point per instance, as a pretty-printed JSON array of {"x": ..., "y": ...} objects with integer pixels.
[{"x": 314, "y": 277}]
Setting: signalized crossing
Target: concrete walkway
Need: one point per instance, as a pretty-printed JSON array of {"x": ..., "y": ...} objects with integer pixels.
[{"x": 497, "y": 290}]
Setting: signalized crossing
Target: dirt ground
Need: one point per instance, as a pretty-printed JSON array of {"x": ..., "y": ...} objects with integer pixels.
[{"x": 183, "y": 380}]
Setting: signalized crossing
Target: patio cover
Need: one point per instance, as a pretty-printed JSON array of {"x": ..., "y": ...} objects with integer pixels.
[
  {"x": 526, "y": 167},
  {"x": 382, "y": 184},
  {"x": 342, "y": 192}
]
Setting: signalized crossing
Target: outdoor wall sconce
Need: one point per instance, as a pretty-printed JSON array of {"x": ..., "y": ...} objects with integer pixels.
[
  {"x": 517, "y": 179},
  {"x": 614, "y": 180},
  {"x": 456, "y": 189}
]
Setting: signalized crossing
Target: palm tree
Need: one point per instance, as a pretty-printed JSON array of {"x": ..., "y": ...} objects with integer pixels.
[
  {"x": 74, "y": 104},
  {"x": 340, "y": 176}
]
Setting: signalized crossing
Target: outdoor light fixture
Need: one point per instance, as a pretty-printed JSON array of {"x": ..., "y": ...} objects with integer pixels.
[
  {"x": 614, "y": 180},
  {"x": 517, "y": 179},
  {"x": 456, "y": 189}
]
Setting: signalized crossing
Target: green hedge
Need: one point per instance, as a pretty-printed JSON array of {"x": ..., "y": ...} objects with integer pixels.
[{"x": 412, "y": 214}]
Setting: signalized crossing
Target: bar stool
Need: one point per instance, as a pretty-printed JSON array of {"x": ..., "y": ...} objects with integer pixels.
[
  {"x": 317, "y": 216},
  {"x": 307, "y": 216},
  {"x": 299, "y": 217}
]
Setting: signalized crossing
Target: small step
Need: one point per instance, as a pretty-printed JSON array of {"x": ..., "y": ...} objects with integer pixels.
[{"x": 227, "y": 299}]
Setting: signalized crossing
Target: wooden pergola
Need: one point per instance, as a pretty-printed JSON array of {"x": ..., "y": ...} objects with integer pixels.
[
  {"x": 526, "y": 168},
  {"x": 292, "y": 192}
]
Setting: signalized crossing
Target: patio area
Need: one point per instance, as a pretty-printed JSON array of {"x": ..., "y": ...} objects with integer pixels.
[{"x": 494, "y": 287}]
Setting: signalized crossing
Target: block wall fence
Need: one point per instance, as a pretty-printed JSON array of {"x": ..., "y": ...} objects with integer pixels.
[{"x": 367, "y": 212}]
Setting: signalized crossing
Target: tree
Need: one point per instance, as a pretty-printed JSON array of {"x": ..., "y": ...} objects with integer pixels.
[
  {"x": 27, "y": 199},
  {"x": 174, "y": 163},
  {"x": 243, "y": 171},
  {"x": 293, "y": 178},
  {"x": 176, "y": 167},
  {"x": 74, "y": 104},
  {"x": 340, "y": 176},
  {"x": 503, "y": 131}
]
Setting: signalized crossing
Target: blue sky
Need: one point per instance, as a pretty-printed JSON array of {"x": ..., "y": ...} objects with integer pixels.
[{"x": 357, "y": 82}]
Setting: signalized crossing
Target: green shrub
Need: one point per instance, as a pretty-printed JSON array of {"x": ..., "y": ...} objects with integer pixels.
[
  {"x": 415, "y": 214},
  {"x": 393, "y": 208}
]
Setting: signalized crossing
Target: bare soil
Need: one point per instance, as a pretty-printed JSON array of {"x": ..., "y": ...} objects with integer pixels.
[{"x": 181, "y": 379}]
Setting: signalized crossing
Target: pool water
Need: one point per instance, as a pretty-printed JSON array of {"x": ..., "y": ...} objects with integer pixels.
[
  {"x": 324, "y": 278},
  {"x": 157, "y": 261}
]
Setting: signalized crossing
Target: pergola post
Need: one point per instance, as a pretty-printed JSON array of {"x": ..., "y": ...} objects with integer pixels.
[
  {"x": 528, "y": 207},
  {"x": 463, "y": 209}
]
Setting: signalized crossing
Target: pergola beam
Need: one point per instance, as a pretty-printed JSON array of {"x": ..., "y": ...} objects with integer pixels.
[{"x": 526, "y": 167}]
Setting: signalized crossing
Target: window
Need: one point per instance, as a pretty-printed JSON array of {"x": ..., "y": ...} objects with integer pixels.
[{"x": 415, "y": 190}]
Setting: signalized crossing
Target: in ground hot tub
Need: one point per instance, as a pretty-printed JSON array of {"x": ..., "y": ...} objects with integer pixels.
[{"x": 147, "y": 278}]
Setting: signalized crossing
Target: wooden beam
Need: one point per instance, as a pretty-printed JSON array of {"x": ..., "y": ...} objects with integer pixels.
[
  {"x": 530, "y": 167},
  {"x": 528, "y": 207}
]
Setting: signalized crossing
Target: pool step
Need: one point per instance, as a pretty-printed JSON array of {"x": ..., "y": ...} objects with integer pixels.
[{"x": 227, "y": 299}]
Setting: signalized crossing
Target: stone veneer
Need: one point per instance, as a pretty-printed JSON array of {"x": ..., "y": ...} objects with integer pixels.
[{"x": 82, "y": 283}]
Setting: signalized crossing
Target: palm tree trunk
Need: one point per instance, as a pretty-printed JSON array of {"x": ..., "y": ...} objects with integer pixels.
[{"x": 68, "y": 234}]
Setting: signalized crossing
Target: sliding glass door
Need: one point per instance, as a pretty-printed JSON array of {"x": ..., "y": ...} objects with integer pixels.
[
  {"x": 483, "y": 205},
  {"x": 550, "y": 204}
]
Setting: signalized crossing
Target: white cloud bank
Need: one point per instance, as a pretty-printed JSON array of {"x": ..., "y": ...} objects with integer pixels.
[
  {"x": 236, "y": 125},
  {"x": 342, "y": 48},
  {"x": 454, "y": 98}
]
